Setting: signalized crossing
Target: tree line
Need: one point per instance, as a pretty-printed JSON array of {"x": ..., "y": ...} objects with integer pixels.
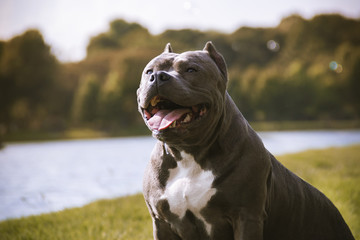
[{"x": 299, "y": 70}]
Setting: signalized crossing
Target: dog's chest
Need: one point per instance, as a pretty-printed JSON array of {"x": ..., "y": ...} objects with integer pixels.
[{"x": 189, "y": 187}]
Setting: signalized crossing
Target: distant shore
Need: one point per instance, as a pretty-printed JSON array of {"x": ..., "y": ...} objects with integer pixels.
[{"x": 92, "y": 133}]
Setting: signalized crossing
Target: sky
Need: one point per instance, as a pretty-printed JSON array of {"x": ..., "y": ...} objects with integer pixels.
[{"x": 68, "y": 25}]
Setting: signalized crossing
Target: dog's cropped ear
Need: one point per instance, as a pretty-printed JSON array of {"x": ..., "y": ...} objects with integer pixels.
[
  {"x": 217, "y": 57},
  {"x": 168, "y": 48}
]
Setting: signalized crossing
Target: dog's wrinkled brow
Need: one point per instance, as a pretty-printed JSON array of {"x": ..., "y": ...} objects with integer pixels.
[{"x": 163, "y": 64}]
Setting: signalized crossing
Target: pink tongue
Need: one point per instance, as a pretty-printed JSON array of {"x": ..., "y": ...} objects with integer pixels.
[{"x": 164, "y": 118}]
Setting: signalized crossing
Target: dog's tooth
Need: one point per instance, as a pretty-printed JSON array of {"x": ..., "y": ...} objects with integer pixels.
[
  {"x": 173, "y": 124},
  {"x": 155, "y": 100},
  {"x": 187, "y": 118}
]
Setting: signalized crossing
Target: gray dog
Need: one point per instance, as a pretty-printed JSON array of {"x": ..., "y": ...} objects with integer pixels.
[{"x": 210, "y": 176}]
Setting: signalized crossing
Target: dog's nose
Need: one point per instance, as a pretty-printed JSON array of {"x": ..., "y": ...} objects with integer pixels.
[{"x": 161, "y": 76}]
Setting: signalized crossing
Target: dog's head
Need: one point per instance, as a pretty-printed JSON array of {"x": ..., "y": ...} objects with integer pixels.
[{"x": 181, "y": 96}]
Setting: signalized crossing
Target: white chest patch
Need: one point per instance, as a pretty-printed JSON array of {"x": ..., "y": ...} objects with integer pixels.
[{"x": 189, "y": 188}]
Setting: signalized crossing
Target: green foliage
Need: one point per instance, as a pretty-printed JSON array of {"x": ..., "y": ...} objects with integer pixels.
[
  {"x": 294, "y": 81},
  {"x": 300, "y": 96},
  {"x": 27, "y": 80},
  {"x": 86, "y": 99},
  {"x": 335, "y": 172},
  {"x": 121, "y": 35},
  {"x": 300, "y": 70}
]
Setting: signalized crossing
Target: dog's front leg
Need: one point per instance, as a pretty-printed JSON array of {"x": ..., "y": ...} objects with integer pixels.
[
  {"x": 163, "y": 231},
  {"x": 247, "y": 229}
]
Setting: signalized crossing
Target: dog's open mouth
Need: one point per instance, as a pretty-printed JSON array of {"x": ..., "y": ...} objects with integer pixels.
[{"x": 162, "y": 114}]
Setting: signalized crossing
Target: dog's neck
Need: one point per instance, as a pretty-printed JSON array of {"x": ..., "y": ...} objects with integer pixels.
[
  {"x": 224, "y": 137},
  {"x": 234, "y": 128}
]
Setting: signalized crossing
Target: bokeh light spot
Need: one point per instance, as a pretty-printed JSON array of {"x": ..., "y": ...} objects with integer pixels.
[
  {"x": 336, "y": 67},
  {"x": 273, "y": 45}
]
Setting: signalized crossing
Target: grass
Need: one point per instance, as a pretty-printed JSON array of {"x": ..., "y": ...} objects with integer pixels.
[
  {"x": 335, "y": 171},
  {"x": 122, "y": 218}
]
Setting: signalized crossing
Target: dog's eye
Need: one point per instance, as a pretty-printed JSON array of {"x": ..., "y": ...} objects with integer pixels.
[
  {"x": 150, "y": 71},
  {"x": 190, "y": 70}
]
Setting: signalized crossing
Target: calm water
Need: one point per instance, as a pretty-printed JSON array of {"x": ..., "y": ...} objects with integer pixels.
[{"x": 50, "y": 176}]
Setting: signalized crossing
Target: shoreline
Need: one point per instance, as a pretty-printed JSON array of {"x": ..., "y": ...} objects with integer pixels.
[{"x": 93, "y": 133}]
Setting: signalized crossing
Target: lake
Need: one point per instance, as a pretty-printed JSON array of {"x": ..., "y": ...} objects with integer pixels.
[{"x": 40, "y": 177}]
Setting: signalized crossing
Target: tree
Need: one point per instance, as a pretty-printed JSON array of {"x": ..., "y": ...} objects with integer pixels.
[
  {"x": 121, "y": 34},
  {"x": 86, "y": 99},
  {"x": 27, "y": 74}
]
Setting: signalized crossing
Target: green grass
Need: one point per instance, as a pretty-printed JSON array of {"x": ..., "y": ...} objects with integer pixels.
[
  {"x": 335, "y": 171},
  {"x": 122, "y": 218}
]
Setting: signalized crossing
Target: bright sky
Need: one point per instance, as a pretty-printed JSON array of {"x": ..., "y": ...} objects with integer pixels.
[{"x": 67, "y": 25}]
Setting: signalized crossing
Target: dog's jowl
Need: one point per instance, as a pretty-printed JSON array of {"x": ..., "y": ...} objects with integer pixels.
[{"x": 210, "y": 176}]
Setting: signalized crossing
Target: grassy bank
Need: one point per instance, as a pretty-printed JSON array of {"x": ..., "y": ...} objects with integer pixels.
[
  {"x": 122, "y": 218},
  {"x": 335, "y": 171}
]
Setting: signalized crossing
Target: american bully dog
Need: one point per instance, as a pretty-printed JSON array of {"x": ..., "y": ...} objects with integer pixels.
[{"x": 210, "y": 176}]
